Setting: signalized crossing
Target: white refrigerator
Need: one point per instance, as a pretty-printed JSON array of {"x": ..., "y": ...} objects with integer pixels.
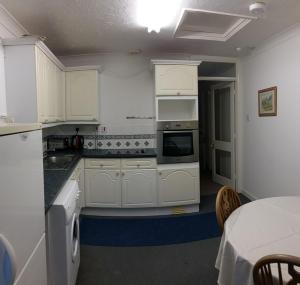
[{"x": 22, "y": 217}]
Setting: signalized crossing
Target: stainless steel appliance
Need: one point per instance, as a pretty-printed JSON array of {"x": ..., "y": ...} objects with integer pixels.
[{"x": 177, "y": 142}]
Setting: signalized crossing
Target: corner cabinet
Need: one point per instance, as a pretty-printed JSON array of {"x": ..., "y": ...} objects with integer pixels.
[
  {"x": 178, "y": 185},
  {"x": 35, "y": 82},
  {"x": 82, "y": 95},
  {"x": 176, "y": 78},
  {"x": 102, "y": 188}
]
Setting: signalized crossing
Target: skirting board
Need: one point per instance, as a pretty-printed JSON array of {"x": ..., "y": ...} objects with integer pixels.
[
  {"x": 248, "y": 195},
  {"x": 176, "y": 210}
]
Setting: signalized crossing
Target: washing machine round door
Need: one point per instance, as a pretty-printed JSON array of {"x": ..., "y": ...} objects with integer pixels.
[{"x": 75, "y": 236}]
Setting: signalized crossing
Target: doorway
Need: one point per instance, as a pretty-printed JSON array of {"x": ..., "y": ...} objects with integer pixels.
[{"x": 216, "y": 135}]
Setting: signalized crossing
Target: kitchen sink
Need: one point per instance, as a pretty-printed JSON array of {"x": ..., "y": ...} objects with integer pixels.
[{"x": 58, "y": 162}]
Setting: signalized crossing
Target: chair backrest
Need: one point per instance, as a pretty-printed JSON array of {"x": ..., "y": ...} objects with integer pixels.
[
  {"x": 268, "y": 270},
  {"x": 227, "y": 201}
]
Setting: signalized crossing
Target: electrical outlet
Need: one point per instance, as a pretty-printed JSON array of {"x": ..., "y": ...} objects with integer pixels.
[{"x": 103, "y": 129}]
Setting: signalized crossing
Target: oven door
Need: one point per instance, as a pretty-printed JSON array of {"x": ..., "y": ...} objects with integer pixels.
[{"x": 177, "y": 146}]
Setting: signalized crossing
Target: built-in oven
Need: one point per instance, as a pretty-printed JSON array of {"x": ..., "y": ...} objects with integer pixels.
[{"x": 177, "y": 142}]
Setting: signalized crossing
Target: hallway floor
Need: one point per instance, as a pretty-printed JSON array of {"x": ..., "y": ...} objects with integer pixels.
[{"x": 207, "y": 185}]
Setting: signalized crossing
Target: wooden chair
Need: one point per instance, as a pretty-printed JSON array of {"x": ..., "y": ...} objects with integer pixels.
[
  {"x": 227, "y": 201},
  {"x": 266, "y": 272}
]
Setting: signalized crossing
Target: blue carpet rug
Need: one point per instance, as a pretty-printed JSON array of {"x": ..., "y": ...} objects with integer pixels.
[{"x": 141, "y": 231}]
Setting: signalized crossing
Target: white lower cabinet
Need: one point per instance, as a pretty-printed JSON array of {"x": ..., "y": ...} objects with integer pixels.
[
  {"x": 178, "y": 186},
  {"x": 139, "y": 183},
  {"x": 139, "y": 188},
  {"x": 102, "y": 188}
]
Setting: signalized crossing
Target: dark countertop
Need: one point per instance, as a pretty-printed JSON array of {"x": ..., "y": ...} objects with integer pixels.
[
  {"x": 118, "y": 153},
  {"x": 54, "y": 180}
]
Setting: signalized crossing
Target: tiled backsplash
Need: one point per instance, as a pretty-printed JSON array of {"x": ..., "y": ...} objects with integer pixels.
[{"x": 117, "y": 141}]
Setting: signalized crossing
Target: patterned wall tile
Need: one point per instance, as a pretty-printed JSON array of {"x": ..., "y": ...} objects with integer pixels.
[{"x": 89, "y": 144}]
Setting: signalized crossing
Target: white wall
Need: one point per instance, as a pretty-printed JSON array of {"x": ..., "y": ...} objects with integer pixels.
[
  {"x": 126, "y": 89},
  {"x": 2, "y": 84},
  {"x": 270, "y": 149}
]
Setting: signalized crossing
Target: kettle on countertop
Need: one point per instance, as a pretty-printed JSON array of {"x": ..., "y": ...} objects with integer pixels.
[{"x": 77, "y": 141}]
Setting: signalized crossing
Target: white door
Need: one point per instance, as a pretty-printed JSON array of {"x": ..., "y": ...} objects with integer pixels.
[
  {"x": 178, "y": 186},
  {"x": 102, "y": 188},
  {"x": 35, "y": 270},
  {"x": 139, "y": 188},
  {"x": 223, "y": 155}
]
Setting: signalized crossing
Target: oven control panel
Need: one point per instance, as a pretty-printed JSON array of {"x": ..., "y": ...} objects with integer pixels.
[{"x": 177, "y": 125}]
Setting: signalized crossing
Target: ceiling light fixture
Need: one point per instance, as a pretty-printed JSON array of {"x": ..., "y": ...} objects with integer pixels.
[
  {"x": 156, "y": 14},
  {"x": 258, "y": 9}
]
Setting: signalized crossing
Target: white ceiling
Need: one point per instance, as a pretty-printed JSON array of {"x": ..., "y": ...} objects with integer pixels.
[{"x": 92, "y": 26}]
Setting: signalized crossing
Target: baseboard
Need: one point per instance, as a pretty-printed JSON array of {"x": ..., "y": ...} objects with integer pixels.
[
  {"x": 248, "y": 195},
  {"x": 118, "y": 212}
]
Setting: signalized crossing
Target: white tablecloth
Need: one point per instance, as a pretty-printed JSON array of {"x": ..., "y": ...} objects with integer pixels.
[{"x": 259, "y": 228}]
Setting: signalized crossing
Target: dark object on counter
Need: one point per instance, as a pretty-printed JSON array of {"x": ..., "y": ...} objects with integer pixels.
[
  {"x": 54, "y": 143},
  {"x": 77, "y": 141}
]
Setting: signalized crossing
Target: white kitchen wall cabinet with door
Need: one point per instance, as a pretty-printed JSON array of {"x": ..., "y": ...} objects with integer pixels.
[
  {"x": 35, "y": 82},
  {"x": 82, "y": 94},
  {"x": 176, "y": 77},
  {"x": 178, "y": 184},
  {"x": 115, "y": 183}
]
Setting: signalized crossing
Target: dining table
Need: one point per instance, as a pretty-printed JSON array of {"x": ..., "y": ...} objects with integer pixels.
[{"x": 256, "y": 229}]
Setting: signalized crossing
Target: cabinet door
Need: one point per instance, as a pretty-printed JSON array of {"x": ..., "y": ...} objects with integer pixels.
[
  {"x": 82, "y": 95},
  {"x": 60, "y": 94},
  {"x": 102, "y": 188},
  {"x": 176, "y": 80},
  {"x": 51, "y": 85},
  {"x": 139, "y": 188},
  {"x": 41, "y": 78},
  {"x": 178, "y": 186}
]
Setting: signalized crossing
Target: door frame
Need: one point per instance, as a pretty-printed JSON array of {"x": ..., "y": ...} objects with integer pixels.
[
  {"x": 236, "y": 124},
  {"x": 232, "y": 133}
]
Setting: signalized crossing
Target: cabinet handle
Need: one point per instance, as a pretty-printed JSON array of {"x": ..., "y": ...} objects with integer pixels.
[
  {"x": 178, "y": 93},
  {"x": 123, "y": 173},
  {"x": 117, "y": 174},
  {"x": 138, "y": 165},
  {"x": 101, "y": 165},
  {"x": 159, "y": 173}
]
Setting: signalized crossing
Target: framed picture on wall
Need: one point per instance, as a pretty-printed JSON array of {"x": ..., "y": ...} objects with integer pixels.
[{"x": 267, "y": 102}]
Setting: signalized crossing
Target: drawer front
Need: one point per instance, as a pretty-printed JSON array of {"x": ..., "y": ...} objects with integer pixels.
[
  {"x": 134, "y": 163},
  {"x": 103, "y": 163}
]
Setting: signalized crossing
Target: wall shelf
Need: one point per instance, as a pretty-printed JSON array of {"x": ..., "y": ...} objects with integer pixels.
[{"x": 177, "y": 108}]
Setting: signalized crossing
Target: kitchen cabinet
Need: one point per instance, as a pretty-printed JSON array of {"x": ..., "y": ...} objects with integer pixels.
[
  {"x": 34, "y": 82},
  {"x": 178, "y": 184},
  {"x": 139, "y": 188},
  {"x": 102, "y": 188},
  {"x": 176, "y": 79},
  {"x": 127, "y": 183},
  {"x": 82, "y": 95},
  {"x": 50, "y": 89}
]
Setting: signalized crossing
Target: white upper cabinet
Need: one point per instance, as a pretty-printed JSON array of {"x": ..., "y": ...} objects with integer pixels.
[
  {"x": 176, "y": 79},
  {"x": 82, "y": 95},
  {"x": 50, "y": 89},
  {"x": 34, "y": 82}
]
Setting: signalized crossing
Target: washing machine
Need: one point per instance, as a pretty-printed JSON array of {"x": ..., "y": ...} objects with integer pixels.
[{"x": 63, "y": 242}]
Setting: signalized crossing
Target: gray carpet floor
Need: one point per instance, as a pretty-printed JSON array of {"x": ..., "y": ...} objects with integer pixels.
[{"x": 188, "y": 263}]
